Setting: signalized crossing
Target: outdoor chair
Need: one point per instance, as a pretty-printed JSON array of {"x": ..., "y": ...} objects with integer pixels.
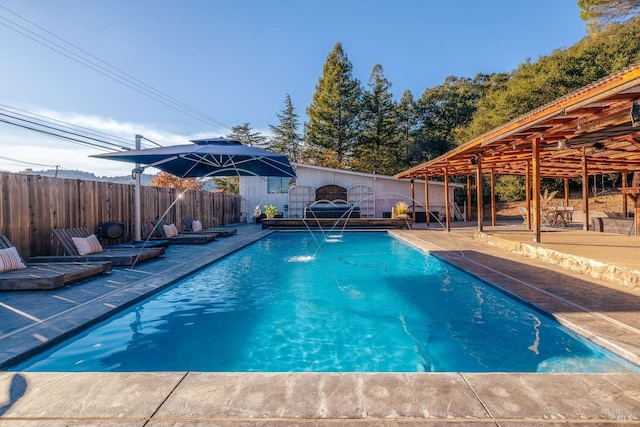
[
  {"x": 158, "y": 232},
  {"x": 49, "y": 275},
  {"x": 118, "y": 256},
  {"x": 220, "y": 231}
]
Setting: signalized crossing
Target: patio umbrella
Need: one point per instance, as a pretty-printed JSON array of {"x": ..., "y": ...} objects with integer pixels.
[
  {"x": 204, "y": 158},
  {"x": 208, "y": 157}
]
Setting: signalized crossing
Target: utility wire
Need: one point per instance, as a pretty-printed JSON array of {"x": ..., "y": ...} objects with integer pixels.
[
  {"x": 127, "y": 80},
  {"x": 67, "y": 138},
  {"x": 29, "y": 163},
  {"x": 61, "y": 130},
  {"x": 116, "y": 139}
]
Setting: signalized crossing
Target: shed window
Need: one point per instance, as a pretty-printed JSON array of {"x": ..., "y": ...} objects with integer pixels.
[{"x": 278, "y": 184}]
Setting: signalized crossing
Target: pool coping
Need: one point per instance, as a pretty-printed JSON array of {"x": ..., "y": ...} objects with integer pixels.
[{"x": 179, "y": 398}]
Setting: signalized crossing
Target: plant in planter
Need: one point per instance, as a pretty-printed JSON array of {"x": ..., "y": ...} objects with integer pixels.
[
  {"x": 270, "y": 211},
  {"x": 401, "y": 209}
]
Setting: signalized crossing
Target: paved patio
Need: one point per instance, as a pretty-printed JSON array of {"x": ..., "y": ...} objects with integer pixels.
[{"x": 604, "y": 309}]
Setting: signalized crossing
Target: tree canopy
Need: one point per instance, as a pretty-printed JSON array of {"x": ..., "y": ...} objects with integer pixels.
[
  {"x": 598, "y": 14},
  {"x": 333, "y": 125},
  {"x": 365, "y": 129}
]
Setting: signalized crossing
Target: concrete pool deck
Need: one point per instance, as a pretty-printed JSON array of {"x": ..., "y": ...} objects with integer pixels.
[{"x": 602, "y": 309}]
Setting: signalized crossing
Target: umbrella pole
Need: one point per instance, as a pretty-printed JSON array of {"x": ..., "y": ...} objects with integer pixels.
[{"x": 137, "y": 215}]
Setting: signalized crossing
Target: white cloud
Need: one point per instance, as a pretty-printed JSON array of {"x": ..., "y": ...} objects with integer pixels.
[{"x": 24, "y": 148}]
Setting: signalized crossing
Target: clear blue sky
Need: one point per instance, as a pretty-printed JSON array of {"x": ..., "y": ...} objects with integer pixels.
[{"x": 235, "y": 61}]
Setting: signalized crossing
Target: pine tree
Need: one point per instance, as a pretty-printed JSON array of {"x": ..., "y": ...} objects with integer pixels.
[
  {"x": 244, "y": 134},
  {"x": 407, "y": 122},
  {"x": 285, "y": 139},
  {"x": 377, "y": 147},
  {"x": 333, "y": 114}
]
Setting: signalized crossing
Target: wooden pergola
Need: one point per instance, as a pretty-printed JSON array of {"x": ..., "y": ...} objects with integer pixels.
[{"x": 594, "y": 130}]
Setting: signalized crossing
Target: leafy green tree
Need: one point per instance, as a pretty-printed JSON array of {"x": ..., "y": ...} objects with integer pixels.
[
  {"x": 377, "y": 146},
  {"x": 598, "y": 14},
  {"x": 285, "y": 139},
  {"x": 333, "y": 114},
  {"x": 442, "y": 111},
  {"x": 510, "y": 188},
  {"x": 534, "y": 84},
  {"x": 245, "y": 135}
]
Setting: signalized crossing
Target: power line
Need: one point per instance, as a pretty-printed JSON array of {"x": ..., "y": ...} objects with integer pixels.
[
  {"x": 55, "y": 135},
  {"x": 29, "y": 163},
  {"x": 31, "y": 115},
  {"x": 117, "y": 75},
  {"x": 103, "y": 143}
]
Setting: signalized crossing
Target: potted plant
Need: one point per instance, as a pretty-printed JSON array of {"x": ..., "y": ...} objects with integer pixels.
[
  {"x": 401, "y": 210},
  {"x": 271, "y": 211}
]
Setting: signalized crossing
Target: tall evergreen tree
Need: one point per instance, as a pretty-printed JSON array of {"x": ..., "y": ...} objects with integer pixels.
[
  {"x": 407, "y": 121},
  {"x": 245, "y": 135},
  {"x": 377, "y": 146},
  {"x": 333, "y": 114},
  {"x": 285, "y": 139}
]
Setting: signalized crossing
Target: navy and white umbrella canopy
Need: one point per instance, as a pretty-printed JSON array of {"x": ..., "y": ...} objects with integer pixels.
[
  {"x": 208, "y": 157},
  {"x": 204, "y": 158}
]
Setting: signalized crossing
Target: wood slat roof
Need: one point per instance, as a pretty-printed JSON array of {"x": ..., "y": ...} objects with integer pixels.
[{"x": 595, "y": 119}]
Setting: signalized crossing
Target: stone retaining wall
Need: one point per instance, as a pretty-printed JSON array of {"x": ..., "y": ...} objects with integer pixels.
[{"x": 624, "y": 276}]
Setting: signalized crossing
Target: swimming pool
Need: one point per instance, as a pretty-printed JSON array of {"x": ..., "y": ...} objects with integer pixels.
[{"x": 358, "y": 302}]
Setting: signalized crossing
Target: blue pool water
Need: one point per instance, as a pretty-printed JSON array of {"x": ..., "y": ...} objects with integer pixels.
[{"x": 361, "y": 302}]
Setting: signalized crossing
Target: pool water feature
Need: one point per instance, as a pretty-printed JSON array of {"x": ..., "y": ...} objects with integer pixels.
[{"x": 358, "y": 302}]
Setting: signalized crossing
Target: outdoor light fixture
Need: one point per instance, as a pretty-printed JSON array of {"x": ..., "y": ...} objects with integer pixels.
[
  {"x": 136, "y": 171},
  {"x": 635, "y": 113},
  {"x": 474, "y": 160}
]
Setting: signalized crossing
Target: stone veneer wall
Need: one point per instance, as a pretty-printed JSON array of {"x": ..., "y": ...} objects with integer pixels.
[{"x": 624, "y": 276}]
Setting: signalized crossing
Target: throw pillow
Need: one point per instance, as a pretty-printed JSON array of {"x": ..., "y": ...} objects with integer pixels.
[
  {"x": 87, "y": 245},
  {"x": 10, "y": 260},
  {"x": 170, "y": 230},
  {"x": 196, "y": 226}
]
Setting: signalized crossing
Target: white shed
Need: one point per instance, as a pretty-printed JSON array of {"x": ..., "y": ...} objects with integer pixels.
[{"x": 375, "y": 195}]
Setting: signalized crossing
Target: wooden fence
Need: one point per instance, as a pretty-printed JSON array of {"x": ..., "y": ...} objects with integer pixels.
[{"x": 31, "y": 206}]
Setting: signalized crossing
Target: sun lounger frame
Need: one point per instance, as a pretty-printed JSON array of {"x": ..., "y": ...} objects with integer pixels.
[
  {"x": 118, "y": 256},
  {"x": 182, "y": 239},
  {"x": 221, "y": 231},
  {"x": 49, "y": 275}
]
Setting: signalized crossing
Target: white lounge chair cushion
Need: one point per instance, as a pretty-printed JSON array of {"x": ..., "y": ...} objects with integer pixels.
[
  {"x": 10, "y": 260},
  {"x": 196, "y": 226},
  {"x": 170, "y": 230},
  {"x": 87, "y": 245}
]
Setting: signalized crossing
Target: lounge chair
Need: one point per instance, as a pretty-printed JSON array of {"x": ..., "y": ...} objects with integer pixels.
[
  {"x": 220, "y": 231},
  {"x": 50, "y": 275},
  {"x": 158, "y": 233},
  {"x": 118, "y": 256}
]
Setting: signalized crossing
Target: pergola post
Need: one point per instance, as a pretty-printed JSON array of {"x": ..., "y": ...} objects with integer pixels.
[
  {"x": 625, "y": 208},
  {"x": 527, "y": 196},
  {"x": 493, "y": 198},
  {"x": 585, "y": 190},
  {"x": 426, "y": 199},
  {"x": 479, "y": 192},
  {"x": 566, "y": 192},
  {"x": 468, "y": 197},
  {"x": 447, "y": 205},
  {"x": 413, "y": 201},
  {"x": 535, "y": 169}
]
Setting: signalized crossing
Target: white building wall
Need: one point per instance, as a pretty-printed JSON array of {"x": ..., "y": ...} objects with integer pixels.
[{"x": 387, "y": 190}]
